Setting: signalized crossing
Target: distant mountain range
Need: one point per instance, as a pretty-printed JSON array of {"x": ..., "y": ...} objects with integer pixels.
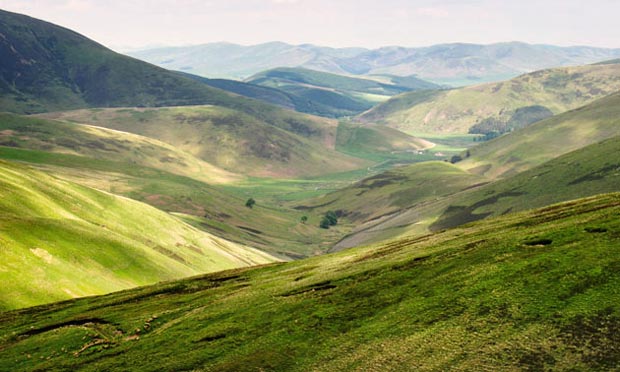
[{"x": 454, "y": 64}]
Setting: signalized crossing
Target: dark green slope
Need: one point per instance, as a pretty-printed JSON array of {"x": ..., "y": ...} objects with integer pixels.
[
  {"x": 530, "y": 291},
  {"x": 266, "y": 94},
  {"x": 306, "y": 100},
  {"x": 46, "y": 67}
]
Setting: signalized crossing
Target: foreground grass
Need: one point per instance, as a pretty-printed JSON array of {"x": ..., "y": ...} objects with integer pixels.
[{"x": 529, "y": 291}]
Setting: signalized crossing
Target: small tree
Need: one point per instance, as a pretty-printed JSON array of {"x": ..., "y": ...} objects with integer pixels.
[
  {"x": 304, "y": 219},
  {"x": 455, "y": 159},
  {"x": 250, "y": 203},
  {"x": 332, "y": 218}
]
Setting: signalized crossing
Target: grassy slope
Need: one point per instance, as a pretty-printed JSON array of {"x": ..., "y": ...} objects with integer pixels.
[
  {"x": 328, "y": 94},
  {"x": 435, "y": 303},
  {"x": 266, "y": 94},
  {"x": 588, "y": 171},
  {"x": 60, "y": 240},
  {"x": 545, "y": 140},
  {"x": 104, "y": 144},
  {"x": 394, "y": 190},
  {"x": 46, "y": 67},
  {"x": 215, "y": 209},
  {"x": 584, "y": 172},
  {"x": 455, "y": 111},
  {"x": 377, "y": 143},
  {"x": 172, "y": 180},
  {"x": 230, "y": 139}
]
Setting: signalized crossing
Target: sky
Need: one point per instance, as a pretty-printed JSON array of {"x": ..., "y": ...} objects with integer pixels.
[{"x": 132, "y": 24}]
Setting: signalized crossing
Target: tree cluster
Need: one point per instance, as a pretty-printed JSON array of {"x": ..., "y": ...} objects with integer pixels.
[{"x": 329, "y": 219}]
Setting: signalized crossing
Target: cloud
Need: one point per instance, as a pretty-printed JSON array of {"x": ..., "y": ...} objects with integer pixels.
[
  {"x": 434, "y": 12},
  {"x": 78, "y": 5}
]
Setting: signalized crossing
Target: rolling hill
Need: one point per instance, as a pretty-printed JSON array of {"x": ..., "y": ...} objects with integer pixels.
[
  {"x": 165, "y": 177},
  {"x": 265, "y": 94},
  {"x": 63, "y": 70},
  {"x": 458, "y": 110},
  {"x": 547, "y": 139},
  {"x": 333, "y": 95},
  {"x": 58, "y": 137},
  {"x": 61, "y": 240},
  {"x": 315, "y": 92},
  {"x": 230, "y": 139},
  {"x": 390, "y": 192},
  {"x": 531, "y": 165},
  {"x": 48, "y": 68},
  {"x": 588, "y": 171},
  {"x": 453, "y": 64},
  {"x": 439, "y": 302},
  {"x": 378, "y": 143}
]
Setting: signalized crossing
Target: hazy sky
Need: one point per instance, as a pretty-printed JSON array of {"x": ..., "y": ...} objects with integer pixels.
[{"x": 135, "y": 23}]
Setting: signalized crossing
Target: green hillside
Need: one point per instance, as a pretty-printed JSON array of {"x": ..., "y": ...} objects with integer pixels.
[
  {"x": 332, "y": 95},
  {"x": 232, "y": 140},
  {"x": 60, "y": 240},
  {"x": 261, "y": 93},
  {"x": 545, "y": 140},
  {"x": 588, "y": 171},
  {"x": 213, "y": 208},
  {"x": 391, "y": 191},
  {"x": 378, "y": 143},
  {"x": 458, "y": 110},
  {"x": 62, "y": 70},
  {"x": 104, "y": 144},
  {"x": 172, "y": 180},
  {"x": 439, "y": 302}
]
